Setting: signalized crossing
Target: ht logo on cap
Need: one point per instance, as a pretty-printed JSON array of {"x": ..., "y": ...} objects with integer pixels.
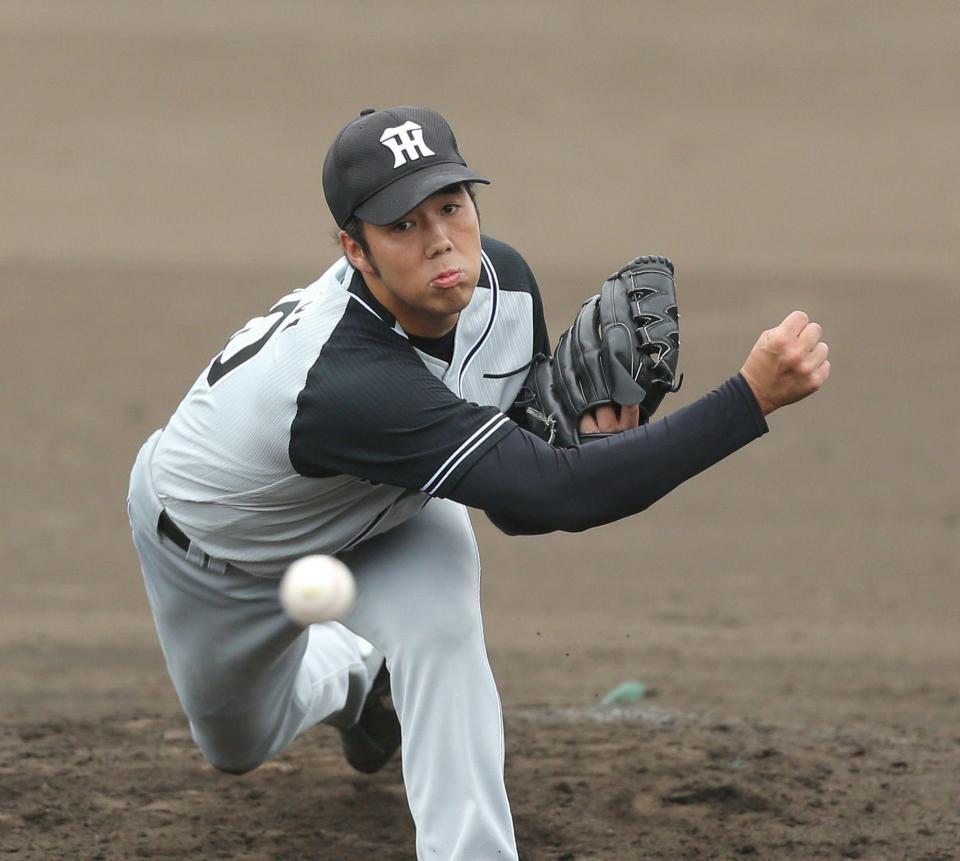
[{"x": 405, "y": 142}]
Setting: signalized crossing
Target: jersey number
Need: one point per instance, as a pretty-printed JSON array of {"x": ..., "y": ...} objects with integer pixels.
[{"x": 246, "y": 343}]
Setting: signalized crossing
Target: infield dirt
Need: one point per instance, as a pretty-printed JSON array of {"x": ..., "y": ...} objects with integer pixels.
[{"x": 793, "y": 612}]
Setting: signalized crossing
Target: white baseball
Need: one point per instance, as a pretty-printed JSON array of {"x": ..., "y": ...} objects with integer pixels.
[{"x": 317, "y": 589}]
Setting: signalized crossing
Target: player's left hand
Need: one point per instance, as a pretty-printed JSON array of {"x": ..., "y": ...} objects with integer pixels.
[{"x": 610, "y": 418}]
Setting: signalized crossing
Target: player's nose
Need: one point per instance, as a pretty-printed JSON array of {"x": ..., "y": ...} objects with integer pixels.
[{"x": 437, "y": 239}]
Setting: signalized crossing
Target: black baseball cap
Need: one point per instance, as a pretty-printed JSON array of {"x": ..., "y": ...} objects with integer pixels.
[{"x": 385, "y": 163}]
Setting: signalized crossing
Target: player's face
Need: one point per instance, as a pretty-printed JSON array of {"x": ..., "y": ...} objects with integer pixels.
[{"x": 424, "y": 267}]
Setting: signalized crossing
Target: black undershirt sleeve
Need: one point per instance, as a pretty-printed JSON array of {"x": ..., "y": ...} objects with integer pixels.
[{"x": 528, "y": 487}]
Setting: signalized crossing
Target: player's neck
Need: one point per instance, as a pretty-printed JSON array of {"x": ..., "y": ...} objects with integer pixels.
[{"x": 414, "y": 320}]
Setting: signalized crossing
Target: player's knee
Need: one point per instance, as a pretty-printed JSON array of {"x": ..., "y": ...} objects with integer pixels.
[
  {"x": 230, "y": 749},
  {"x": 231, "y": 761},
  {"x": 234, "y": 768}
]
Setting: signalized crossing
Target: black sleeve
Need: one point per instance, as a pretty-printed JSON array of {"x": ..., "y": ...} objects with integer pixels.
[
  {"x": 371, "y": 409},
  {"x": 527, "y": 486},
  {"x": 541, "y": 338}
]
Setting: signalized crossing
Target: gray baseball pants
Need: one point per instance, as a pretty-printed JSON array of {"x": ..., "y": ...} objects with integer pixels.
[{"x": 250, "y": 681}]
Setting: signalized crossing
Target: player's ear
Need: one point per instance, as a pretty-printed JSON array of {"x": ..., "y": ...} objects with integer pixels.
[{"x": 355, "y": 254}]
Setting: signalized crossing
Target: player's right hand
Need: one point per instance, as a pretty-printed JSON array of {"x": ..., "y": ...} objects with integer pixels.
[{"x": 787, "y": 363}]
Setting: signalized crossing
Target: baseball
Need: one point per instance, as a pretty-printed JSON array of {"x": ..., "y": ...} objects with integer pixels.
[{"x": 317, "y": 589}]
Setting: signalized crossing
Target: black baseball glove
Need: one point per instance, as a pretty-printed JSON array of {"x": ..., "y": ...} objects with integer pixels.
[{"x": 622, "y": 349}]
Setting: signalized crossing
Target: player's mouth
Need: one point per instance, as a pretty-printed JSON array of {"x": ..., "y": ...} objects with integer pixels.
[{"x": 448, "y": 278}]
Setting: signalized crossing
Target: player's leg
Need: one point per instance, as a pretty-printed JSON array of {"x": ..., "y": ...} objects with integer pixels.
[
  {"x": 248, "y": 679},
  {"x": 418, "y": 602}
]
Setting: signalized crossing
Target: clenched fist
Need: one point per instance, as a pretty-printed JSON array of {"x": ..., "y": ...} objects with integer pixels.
[{"x": 787, "y": 363}]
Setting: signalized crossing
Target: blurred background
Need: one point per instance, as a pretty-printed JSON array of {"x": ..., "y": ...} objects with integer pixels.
[{"x": 161, "y": 184}]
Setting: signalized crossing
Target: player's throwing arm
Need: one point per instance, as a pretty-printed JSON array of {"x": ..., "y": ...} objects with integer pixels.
[{"x": 609, "y": 373}]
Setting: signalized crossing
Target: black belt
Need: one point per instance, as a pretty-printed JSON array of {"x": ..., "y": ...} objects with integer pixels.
[{"x": 170, "y": 530}]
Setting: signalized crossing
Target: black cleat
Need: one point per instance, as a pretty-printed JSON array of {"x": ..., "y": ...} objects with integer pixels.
[{"x": 370, "y": 743}]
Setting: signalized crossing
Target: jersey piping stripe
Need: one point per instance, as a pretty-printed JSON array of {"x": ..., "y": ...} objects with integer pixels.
[
  {"x": 503, "y": 420},
  {"x": 470, "y": 445},
  {"x": 495, "y": 303},
  {"x": 353, "y": 542},
  {"x": 365, "y": 305},
  {"x": 396, "y": 326}
]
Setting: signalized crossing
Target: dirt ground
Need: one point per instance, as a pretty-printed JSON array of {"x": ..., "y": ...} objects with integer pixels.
[{"x": 793, "y": 612}]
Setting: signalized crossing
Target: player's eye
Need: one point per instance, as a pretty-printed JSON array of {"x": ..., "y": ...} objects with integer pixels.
[
  {"x": 450, "y": 208},
  {"x": 402, "y": 226}
]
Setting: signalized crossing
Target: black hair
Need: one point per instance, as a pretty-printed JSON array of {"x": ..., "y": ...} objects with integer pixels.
[{"x": 354, "y": 226}]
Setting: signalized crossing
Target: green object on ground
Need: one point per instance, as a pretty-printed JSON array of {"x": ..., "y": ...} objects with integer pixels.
[{"x": 628, "y": 692}]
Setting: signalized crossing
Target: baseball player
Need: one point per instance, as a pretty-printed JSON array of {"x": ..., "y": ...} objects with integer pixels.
[{"x": 358, "y": 417}]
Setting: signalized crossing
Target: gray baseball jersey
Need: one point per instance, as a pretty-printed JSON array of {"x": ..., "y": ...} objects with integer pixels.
[{"x": 320, "y": 425}]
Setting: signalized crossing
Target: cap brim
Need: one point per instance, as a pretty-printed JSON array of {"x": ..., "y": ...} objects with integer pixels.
[{"x": 397, "y": 199}]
